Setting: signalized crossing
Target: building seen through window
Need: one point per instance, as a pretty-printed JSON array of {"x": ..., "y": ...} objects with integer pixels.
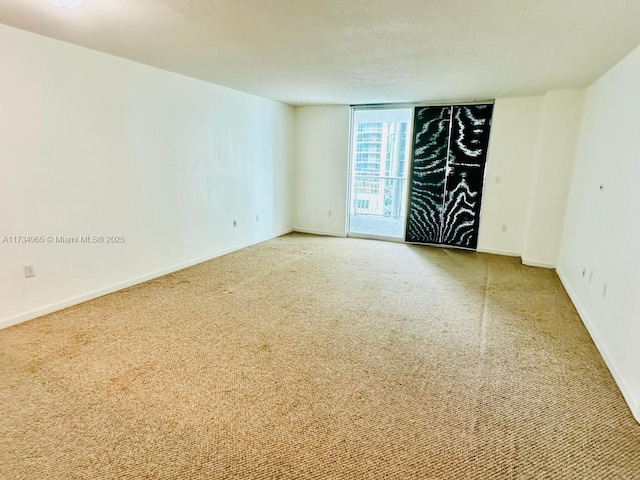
[{"x": 379, "y": 157}]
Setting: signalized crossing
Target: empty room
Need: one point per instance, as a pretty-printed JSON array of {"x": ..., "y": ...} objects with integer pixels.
[{"x": 319, "y": 239}]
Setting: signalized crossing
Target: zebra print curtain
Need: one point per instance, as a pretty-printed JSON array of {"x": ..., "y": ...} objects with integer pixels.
[{"x": 447, "y": 174}]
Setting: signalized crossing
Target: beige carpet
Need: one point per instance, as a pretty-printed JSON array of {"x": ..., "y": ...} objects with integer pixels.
[{"x": 310, "y": 357}]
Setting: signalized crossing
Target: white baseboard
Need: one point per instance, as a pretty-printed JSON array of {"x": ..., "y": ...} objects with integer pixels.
[
  {"x": 498, "y": 252},
  {"x": 536, "y": 263},
  {"x": 525, "y": 261},
  {"x": 633, "y": 404},
  {"x": 284, "y": 232},
  {"x": 319, "y": 232},
  {"x": 69, "y": 302}
]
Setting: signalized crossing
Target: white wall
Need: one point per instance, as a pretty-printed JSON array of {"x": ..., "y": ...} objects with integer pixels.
[
  {"x": 602, "y": 227},
  {"x": 322, "y": 159},
  {"x": 511, "y": 161},
  {"x": 529, "y": 168},
  {"x": 96, "y": 145},
  {"x": 555, "y": 154}
]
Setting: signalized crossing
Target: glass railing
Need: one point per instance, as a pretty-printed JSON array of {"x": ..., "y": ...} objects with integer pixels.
[{"x": 376, "y": 195}]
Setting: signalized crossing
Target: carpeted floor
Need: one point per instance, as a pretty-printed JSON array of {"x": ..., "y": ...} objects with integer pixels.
[{"x": 317, "y": 358}]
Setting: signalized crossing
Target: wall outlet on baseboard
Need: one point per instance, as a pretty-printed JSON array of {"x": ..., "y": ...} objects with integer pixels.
[{"x": 29, "y": 271}]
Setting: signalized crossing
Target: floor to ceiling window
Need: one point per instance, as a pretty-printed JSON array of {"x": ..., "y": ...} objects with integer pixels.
[{"x": 380, "y": 146}]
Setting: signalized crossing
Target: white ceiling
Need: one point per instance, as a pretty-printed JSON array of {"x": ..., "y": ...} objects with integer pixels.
[{"x": 355, "y": 51}]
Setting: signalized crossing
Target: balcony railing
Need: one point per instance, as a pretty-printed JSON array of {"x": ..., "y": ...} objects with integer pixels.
[{"x": 377, "y": 195}]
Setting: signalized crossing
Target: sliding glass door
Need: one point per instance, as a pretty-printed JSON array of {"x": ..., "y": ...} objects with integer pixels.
[{"x": 380, "y": 146}]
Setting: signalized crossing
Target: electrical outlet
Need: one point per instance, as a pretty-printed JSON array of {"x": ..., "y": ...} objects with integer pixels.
[
  {"x": 29, "y": 271},
  {"x": 235, "y": 224}
]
